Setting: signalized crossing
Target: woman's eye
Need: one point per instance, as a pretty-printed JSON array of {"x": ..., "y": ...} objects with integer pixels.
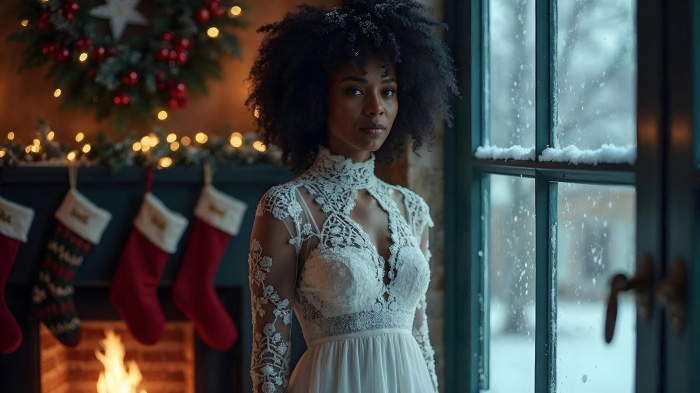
[
  {"x": 353, "y": 90},
  {"x": 389, "y": 92}
]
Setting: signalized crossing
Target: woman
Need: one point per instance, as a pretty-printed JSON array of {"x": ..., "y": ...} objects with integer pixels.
[{"x": 346, "y": 251}]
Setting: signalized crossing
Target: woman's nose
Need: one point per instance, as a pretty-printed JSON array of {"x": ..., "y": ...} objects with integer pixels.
[{"x": 373, "y": 106}]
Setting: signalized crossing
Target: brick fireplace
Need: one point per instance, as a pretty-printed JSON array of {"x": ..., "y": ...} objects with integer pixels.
[{"x": 167, "y": 367}]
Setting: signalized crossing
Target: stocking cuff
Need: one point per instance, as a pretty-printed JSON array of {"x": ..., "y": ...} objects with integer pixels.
[
  {"x": 219, "y": 210},
  {"x": 15, "y": 220},
  {"x": 83, "y": 217},
  {"x": 161, "y": 226}
]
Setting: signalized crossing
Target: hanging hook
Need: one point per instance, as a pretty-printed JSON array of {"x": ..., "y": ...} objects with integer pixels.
[
  {"x": 72, "y": 175},
  {"x": 207, "y": 174}
]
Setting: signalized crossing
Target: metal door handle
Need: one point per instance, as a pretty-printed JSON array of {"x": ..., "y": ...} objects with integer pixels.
[
  {"x": 671, "y": 292},
  {"x": 641, "y": 283}
]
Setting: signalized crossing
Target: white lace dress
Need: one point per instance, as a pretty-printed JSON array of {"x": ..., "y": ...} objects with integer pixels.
[{"x": 363, "y": 317}]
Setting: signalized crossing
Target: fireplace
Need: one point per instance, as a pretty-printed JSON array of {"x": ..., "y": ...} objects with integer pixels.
[
  {"x": 166, "y": 367},
  {"x": 122, "y": 193}
]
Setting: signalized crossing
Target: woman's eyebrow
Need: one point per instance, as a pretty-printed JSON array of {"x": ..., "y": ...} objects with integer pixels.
[{"x": 363, "y": 80}]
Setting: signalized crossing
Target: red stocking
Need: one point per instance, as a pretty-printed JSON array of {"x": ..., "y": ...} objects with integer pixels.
[
  {"x": 218, "y": 218},
  {"x": 156, "y": 234},
  {"x": 15, "y": 221}
]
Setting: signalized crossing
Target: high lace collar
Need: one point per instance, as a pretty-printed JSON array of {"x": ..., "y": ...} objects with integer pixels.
[{"x": 342, "y": 171}]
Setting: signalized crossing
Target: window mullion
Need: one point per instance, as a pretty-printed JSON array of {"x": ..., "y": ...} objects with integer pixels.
[{"x": 545, "y": 197}]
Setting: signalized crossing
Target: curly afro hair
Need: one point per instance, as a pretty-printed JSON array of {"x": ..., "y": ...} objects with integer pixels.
[{"x": 299, "y": 53}]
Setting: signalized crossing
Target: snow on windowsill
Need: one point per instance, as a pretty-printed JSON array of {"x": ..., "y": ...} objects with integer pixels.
[
  {"x": 607, "y": 154},
  {"x": 505, "y": 153}
]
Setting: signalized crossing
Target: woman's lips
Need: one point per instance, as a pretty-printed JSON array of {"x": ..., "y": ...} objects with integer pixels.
[{"x": 372, "y": 131}]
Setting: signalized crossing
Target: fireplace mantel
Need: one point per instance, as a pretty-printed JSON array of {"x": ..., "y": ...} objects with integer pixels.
[{"x": 43, "y": 188}]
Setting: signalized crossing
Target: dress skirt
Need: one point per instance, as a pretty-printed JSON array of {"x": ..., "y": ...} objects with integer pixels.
[{"x": 377, "y": 361}]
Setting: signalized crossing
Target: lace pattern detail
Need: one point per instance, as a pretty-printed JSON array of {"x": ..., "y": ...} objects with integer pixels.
[
  {"x": 270, "y": 356},
  {"x": 341, "y": 288}
]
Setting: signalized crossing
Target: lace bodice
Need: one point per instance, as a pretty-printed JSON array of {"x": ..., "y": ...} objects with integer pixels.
[{"x": 328, "y": 271}]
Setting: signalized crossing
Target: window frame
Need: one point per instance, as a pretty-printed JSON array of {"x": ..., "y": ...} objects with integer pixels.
[{"x": 465, "y": 176}]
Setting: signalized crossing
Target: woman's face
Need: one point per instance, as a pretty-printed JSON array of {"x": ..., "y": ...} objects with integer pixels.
[{"x": 362, "y": 106}]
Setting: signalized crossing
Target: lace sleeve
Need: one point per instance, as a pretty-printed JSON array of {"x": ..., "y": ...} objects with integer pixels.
[
  {"x": 420, "y": 323},
  {"x": 272, "y": 276}
]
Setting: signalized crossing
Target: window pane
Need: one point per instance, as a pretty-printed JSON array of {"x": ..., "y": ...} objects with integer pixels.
[
  {"x": 595, "y": 239},
  {"x": 596, "y": 74},
  {"x": 510, "y": 74},
  {"x": 511, "y": 283}
]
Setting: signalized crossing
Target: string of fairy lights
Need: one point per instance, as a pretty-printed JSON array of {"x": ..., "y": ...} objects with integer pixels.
[{"x": 158, "y": 148}]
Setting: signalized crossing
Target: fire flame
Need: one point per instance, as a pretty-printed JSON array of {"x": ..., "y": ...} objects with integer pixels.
[{"x": 115, "y": 378}]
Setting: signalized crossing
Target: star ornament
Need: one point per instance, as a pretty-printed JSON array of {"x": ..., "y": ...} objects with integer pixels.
[{"x": 120, "y": 13}]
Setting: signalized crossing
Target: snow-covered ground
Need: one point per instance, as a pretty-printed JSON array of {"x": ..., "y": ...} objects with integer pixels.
[{"x": 585, "y": 363}]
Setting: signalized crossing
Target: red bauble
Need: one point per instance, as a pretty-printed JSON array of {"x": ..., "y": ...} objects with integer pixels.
[
  {"x": 202, "y": 15},
  {"x": 111, "y": 51},
  {"x": 172, "y": 55},
  {"x": 69, "y": 17},
  {"x": 162, "y": 54},
  {"x": 70, "y": 7},
  {"x": 130, "y": 78},
  {"x": 178, "y": 90},
  {"x": 167, "y": 37},
  {"x": 121, "y": 99},
  {"x": 160, "y": 75},
  {"x": 48, "y": 49},
  {"x": 99, "y": 53},
  {"x": 182, "y": 58},
  {"x": 183, "y": 43},
  {"x": 43, "y": 23},
  {"x": 182, "y": 102},
  {"x": 173, "y": 103},
  {"x": 63, "y": 54},
  {"x": 217, "y": 11}
]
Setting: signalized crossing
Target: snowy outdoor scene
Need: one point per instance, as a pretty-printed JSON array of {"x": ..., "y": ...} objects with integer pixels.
[
  {"x": 593, "y": 121},
  {"x": 594, "y": 239},
  {"x": 593, "y": 112}
]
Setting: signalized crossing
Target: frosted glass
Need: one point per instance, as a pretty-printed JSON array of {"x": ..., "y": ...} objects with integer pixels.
[
  {"x": 595, "y": 239},
  {"x": 511, "y": 279},
  {"x": 596, "y": 74},
  {"x": 510, "y": 74}
]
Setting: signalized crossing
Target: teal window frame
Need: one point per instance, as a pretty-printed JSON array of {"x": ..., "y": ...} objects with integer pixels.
[{"x": 466, "y": 356}]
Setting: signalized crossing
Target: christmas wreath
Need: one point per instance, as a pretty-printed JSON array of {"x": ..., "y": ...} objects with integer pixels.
[{"x": 169, "y": 49}]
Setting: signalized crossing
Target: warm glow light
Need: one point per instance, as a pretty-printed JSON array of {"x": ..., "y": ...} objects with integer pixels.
[
  {"x": 24, "y": 22},
  {"x": 28, "y": 149},
  {"x": 2, "y": 153},
  {"x": 153, "y": 139},
  {"x": 165, "y": 162},
  {"x": 57, "y": 93},
  {"x": 36, "y": 142},
  {"x": 236, "y": 139},
  {"x": 145, "y": 148},
  {"x": 71, "y": 156},
  {"x": 213, "y": 32},
  {"x": 185, "y": 141},
  {"x": 256, "y": 112},
  {"x": 146, "y": 140},
  {"x": 10, "y": 135},
  {"x": 50, "y": 135},
  {"x": 259, "y": 146},
  {"x": 83, "y": 56},
  {"x": 171, "y": 138},
  {"x": 174, "y": 146},
  {"x": 162, "y": 115},
  {"x": 34, "y": 148},
  {"x": 235, "y": 11},
  {"x": 136, "y": 146},
  {"x": 201, "y": 137},
  {"x": 115, "y": 378},
  {"x": 79, "y": 137},
  {"x": 86, "y": 148}
]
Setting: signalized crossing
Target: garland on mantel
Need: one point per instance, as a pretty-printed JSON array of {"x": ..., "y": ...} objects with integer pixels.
[{"x": 159, "y": 149}]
